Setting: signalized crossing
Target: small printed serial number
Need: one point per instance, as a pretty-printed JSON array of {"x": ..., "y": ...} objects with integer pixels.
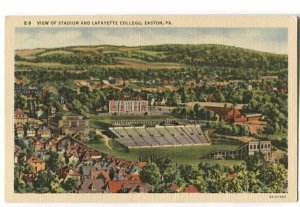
[{"x": 277, "y": 196}]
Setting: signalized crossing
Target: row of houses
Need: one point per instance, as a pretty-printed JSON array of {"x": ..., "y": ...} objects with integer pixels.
[
  {"x": 94, "y": 171},
  {"x": 63, "y": 123}
]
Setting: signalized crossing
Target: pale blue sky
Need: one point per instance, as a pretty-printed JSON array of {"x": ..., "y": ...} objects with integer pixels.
[{"x": 263, "y": 39}]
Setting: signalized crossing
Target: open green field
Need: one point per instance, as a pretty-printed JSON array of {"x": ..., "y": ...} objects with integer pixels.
[{"x": 180, "y": 154}]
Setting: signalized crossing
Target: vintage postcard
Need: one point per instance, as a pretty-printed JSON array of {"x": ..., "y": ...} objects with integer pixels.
[{"x": 151, "y": 108}]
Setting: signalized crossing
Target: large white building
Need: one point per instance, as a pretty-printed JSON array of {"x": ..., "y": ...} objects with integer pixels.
[{"x": 130, "y": 106}]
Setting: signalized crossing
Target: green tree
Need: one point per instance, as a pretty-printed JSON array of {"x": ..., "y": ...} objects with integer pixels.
[
  {"x": 284, "y": 160},
  {"x": 151, "y": 174},
  {"x": 70, "y": 184},
  {"x": 255, "y": 161},
  {"x": 54, "y": 162},
  {"x": 20, "y": 101},
  {"x": 274, "y": 176}
]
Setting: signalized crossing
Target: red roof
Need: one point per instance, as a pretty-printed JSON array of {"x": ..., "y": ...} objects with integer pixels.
[
  {"x": 231, "y": 175},
  {"x": 19, "y": 112},
  {"x": 95, "y": 153},
  {"x": 67, "y": 170},
  {"x": 190, "y": 189},
  {"x": 34, "y": 160},
  {"x": 128, "y": 99},
  {"x": 115, "y": 186},
  {"x": 141, "y": 164},
  {"x": 174, "y": 187}
]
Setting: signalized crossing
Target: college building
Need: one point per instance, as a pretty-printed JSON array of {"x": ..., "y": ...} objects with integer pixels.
[
  {"x": 263, "y": 146},
  {"x": 130, "y": 106},
  {"x": 69, "y": 124}
]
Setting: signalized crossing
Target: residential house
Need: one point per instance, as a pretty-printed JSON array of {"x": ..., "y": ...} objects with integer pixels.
[
  {"x": 36, "y": 163},
  {"x": 44, "y": 132},
  {"x": 29, "y": 177},
  {"x": 38, "y": 145},
  {"x": 50, "y": 145},
  {"x": 73, "y": 158},
  {"x": 30, "y": 132},
  {"x": 20, "y": 131},
  {"x": 174, "y": 188},
  {"x": 20, "y": 116},
  {"x": 92, "y": 186},
  {"x": 116, "y": 186},
  {"x": 86, "y": 171},
  {"x": 67, "y": 172}
]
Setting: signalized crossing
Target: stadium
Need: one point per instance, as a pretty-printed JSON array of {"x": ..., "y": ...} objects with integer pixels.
[{"x": 160, "y": 136}]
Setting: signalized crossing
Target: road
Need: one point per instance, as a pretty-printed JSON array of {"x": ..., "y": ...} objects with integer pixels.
[{"x": 106, "y": 138}]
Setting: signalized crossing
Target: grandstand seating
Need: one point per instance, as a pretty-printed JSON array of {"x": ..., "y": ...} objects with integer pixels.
[{"x": 160, "y": 135}]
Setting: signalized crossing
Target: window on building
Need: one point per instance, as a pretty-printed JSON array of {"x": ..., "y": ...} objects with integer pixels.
[
  {"x": 254, "y": 146},
  {"x": 251, "y": 147},
  {"x": 74, "y": 124}
]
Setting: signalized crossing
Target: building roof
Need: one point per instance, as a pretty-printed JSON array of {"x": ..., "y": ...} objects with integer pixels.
[
  {"x": 87, "y": 169},
  {"x": 136, "y": 188},
  {"x": 31, "y": 160},
  {"x": 133, "y": 176},
  {"x": 128, "y": 99},
  {"x": 173, "y": 187},
  {"x": 95, "y": 153},
  {"x": 29, "y": 178},
  {"x": 190, "y": 189},
  {"x": 220, "y": 110},
  {"x": 231, "y": 175},
  {"x": 115, "y": 186},
  {"x": 43, "y": 129},
  {"x": 67, "y": 113},
  {"x": 19, "y": 112},
  {"x": 253, "y": 115},
  {"x": 92, "y": 186},
  {"x": 67, "y": 171}
]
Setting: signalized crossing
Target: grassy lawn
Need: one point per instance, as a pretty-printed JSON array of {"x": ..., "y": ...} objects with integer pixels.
[{"x": 180, "y": 155}]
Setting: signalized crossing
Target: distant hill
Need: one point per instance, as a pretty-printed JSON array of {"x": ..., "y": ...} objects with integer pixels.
[{"x": 156, "y": 56}]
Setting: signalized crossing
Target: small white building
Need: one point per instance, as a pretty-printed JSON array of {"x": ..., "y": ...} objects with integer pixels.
[
  {"x": 31, "y": 132},
  {"x": 44, "y": 132}
]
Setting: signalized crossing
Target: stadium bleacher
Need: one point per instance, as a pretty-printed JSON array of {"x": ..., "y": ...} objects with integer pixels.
[{"x": 160, "y": 136}]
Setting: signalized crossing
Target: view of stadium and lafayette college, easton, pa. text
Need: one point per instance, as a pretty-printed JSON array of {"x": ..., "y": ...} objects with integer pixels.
[{"x": 150, "y": 110}]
